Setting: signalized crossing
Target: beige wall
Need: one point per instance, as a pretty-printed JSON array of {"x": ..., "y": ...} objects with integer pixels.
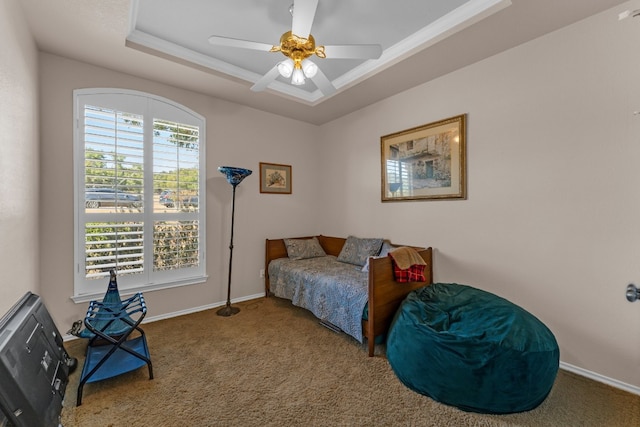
[
  {"x": 550, "y": 221},
  {"x": 236, "y": 136},
  {"x": 552, "y": 216},
  {"x": 19, "y": 175}
]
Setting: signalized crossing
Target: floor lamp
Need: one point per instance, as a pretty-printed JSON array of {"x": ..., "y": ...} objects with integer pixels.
[{"x": 234, "y": 177}]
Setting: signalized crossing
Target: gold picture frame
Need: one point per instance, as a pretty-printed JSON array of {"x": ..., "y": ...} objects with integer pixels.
[
  {"x": 275, "y": 178},
  {"x": 427, "y": 162}
]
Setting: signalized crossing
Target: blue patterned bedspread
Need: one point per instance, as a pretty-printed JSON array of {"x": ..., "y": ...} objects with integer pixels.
[{"x": 333, "y": 291}]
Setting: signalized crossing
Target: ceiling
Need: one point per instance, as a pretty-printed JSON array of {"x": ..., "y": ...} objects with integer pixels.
[
  {"x": 181, "y": 30},
  {"x": 166, "y": 41}
]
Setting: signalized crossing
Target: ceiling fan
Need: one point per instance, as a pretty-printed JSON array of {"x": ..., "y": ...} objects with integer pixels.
[{"x": 298, "y": 45}]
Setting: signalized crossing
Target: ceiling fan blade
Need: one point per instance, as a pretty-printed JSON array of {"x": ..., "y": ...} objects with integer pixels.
[
  {"x": 326, "y": 87},
  {"x": 354, "y": 51},
  {"x": 244, "y": 44},
  {"x": 266, "y": 80},
  {"x": 304, "y": 12}
]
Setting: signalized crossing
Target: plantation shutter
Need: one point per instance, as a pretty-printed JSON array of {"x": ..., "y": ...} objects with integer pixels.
[
  {"x": 130, "y": 148},
  {"x": 113, "y": 188},
  {"x": 175, "y": 157}
]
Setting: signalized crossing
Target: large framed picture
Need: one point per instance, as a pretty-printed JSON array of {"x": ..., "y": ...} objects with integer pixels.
[
  {"x": 426, "y": 162},
  {"x": 275, "y": 178}
]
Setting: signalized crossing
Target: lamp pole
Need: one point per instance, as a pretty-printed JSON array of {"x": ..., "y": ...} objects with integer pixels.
[
  {"x": 234, "y": 177},
  {"x": 228, "y": 310}
]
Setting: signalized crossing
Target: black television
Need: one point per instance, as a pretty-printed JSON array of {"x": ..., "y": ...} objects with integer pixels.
[{"x": 34, "y": 366}]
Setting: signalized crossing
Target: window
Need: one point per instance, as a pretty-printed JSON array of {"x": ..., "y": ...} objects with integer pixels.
[
  {"x": 398, "y": 173},
  {"x": 139, "y": 192}
]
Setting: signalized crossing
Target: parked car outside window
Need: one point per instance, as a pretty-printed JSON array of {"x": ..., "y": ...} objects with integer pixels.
[
  {"x": 98, "y": 197},
  {"x": 166, "y": 198},
  {"x": 191, "y": 202},
  {"x": 166, "y": 194}
]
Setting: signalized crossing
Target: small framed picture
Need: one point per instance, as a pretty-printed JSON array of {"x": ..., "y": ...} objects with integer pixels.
[{"x": 275, "y": 178}]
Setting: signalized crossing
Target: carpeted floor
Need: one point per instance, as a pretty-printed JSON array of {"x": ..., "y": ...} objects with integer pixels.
[{"x": 274, "y": 365}]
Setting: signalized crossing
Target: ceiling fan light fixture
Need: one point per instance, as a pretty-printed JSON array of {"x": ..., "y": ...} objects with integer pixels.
[
  {"x": 297, "y": 78},
  {"x": 285, "y": 68},
  {"x": 309, "y": 68},
  {"x": 297, "y": 45}
]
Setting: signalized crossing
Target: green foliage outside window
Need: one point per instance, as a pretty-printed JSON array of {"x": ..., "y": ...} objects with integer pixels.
[{"x": 120, "y": 244}]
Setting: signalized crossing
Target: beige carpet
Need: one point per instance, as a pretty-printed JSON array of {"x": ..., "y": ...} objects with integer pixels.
[{"x": 274, "y": 365}]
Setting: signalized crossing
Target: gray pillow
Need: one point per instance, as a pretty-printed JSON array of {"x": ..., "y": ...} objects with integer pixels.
[
  {"x": 304, "y": 248},
  {"x": 384, "y": 251},
  {"x": 386, "y": 248},
  {"x": 357, "y": 250}
]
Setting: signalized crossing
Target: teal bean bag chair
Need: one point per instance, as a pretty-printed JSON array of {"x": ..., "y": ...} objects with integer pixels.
[{"x": 472, "y": 349}]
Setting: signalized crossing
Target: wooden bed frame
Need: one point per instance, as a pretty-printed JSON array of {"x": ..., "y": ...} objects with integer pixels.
[{"x": 385, "y": 294}]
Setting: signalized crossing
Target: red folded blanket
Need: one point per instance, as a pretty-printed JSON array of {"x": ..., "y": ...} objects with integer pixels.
[{"x": 408, "y": 265}]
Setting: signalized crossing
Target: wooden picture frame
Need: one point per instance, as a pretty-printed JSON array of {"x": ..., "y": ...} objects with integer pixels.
[
  {"x": 275, "y": 178},
  {"x": 427, "y": 162}
]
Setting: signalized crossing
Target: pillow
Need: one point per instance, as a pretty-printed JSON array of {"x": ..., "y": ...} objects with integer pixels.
[
  {"x": 304, "y": 248},
  {"x": 356, "y": 250},
  {"x": 365, "y": 267},
  {"x": 386, "y": 248},
  {"x": 415, "y": 273}
]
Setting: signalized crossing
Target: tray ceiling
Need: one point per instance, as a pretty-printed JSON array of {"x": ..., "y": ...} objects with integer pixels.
[
  {"x": 166, "y": 41},
  {"x": 180, "y": 30}
]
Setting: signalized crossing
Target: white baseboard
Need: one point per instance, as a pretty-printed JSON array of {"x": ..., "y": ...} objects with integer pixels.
[
  {"x": 201, "y": 308},
  {"x": 563, "y": 365},
  {"x": 600, "y": 378},
  {"x": 70, "y": 337}
]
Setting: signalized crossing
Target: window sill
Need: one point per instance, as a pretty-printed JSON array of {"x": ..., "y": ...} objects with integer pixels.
[{"x": 84, "y": 298}]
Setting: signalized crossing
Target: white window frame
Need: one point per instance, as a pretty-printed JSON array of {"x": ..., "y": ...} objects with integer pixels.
[{"x": 151, "y": 107}]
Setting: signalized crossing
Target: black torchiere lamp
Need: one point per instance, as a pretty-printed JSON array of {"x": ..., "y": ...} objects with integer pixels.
[{"x": 234, "y": 177}]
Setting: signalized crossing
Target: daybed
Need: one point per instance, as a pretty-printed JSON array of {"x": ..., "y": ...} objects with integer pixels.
[{"x": 360, "y": 303}]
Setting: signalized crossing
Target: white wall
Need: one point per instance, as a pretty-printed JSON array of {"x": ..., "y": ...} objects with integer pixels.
[
  {"x": 18, "y": 157},
  {"x": 551, "y": 221},
  {"x": 236, "y": 136}
]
